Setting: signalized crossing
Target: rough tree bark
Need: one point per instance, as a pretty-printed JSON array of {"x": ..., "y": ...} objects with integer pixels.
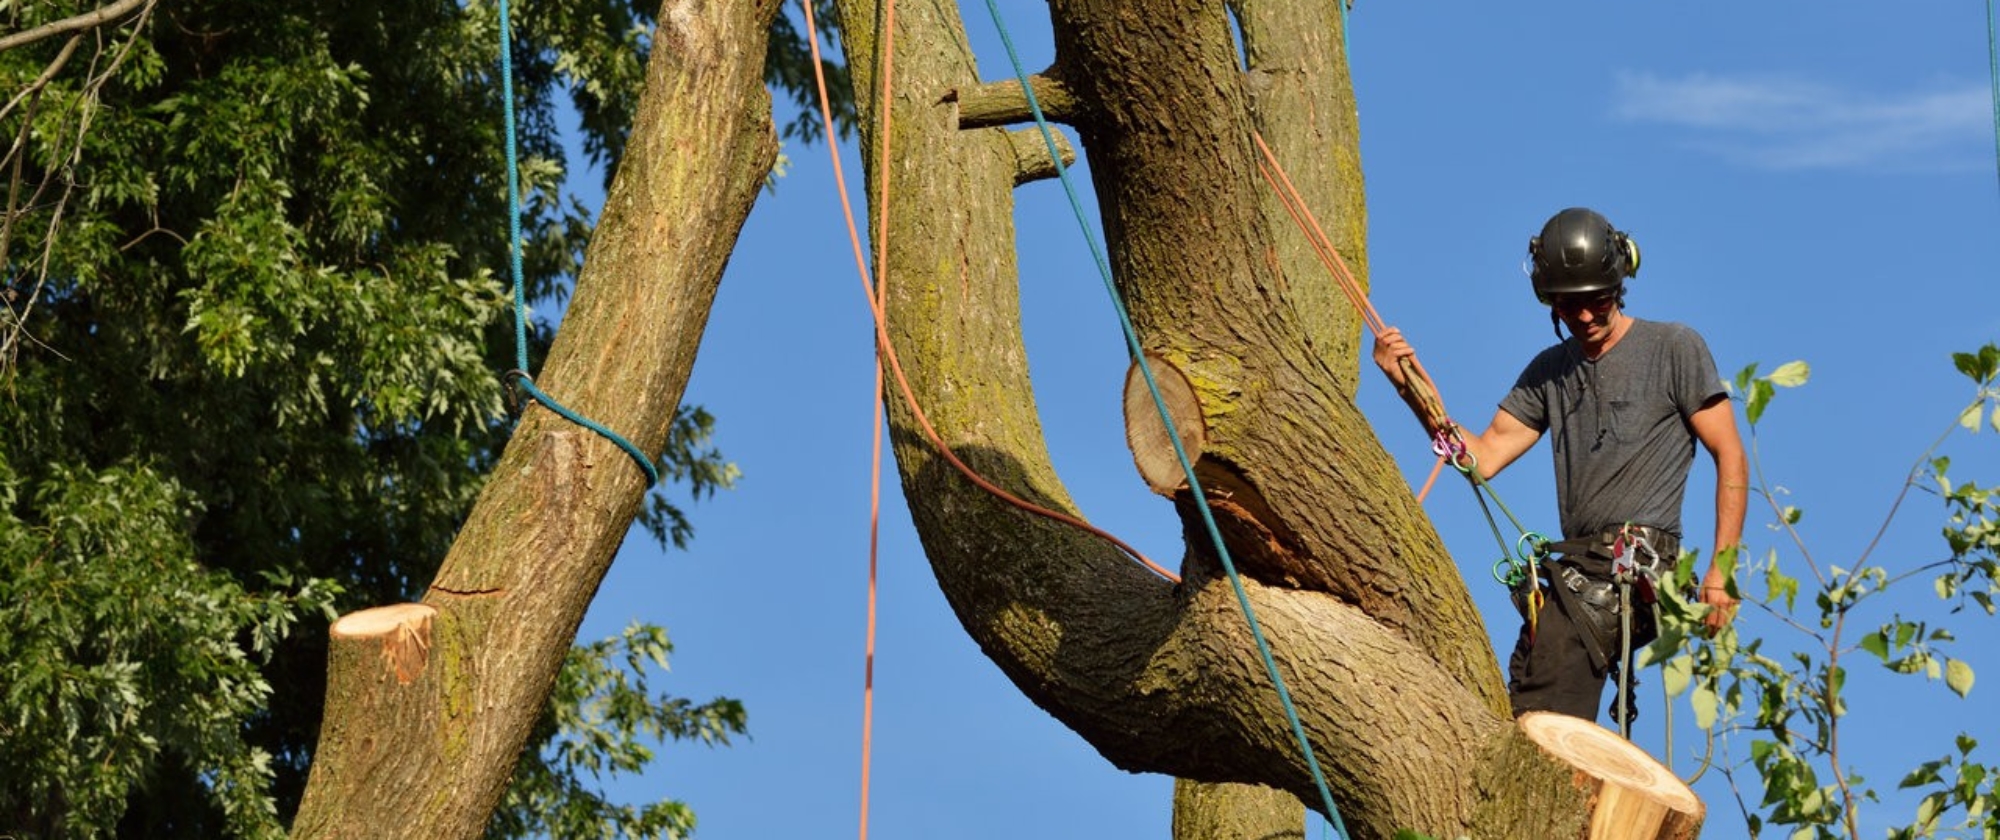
[
  {"x": 1368, "y": 617},
  {"x": 429, "y": 705}
]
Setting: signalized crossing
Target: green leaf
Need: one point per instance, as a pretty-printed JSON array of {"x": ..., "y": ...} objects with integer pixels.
[
  {"x": 1877, "y": 644},
  {"x": 1925, "y": 774},
  {"x": 1790, "y": 374},
  {"x": 1980, "y": 367},
  {"x": 1741, "y": 384},
  {"x": 1927, "y": 813},
  {"x": 1760, "y": 396},
  {"x": 1676, "y": 674},
  {"x": 1704, "y": 701},
  {"x": 1958, "y": 676}
]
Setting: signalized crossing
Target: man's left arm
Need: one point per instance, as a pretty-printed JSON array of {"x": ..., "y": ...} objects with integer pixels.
[{"x": 1714, "y": 425}]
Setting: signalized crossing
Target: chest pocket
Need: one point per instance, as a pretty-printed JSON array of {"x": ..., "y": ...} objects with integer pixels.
[{"x": 1618, "y": 422}]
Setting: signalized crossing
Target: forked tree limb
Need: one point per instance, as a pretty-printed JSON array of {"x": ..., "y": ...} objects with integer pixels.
[{"x": 1391, "y": 671}]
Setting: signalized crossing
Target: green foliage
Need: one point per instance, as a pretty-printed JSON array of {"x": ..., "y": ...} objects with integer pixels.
[
  {"x": 1790, "y": 701},
  {"x": 117, "y": 647},
  {"x": 249, "y": 368},
  {"x": 599, "y": 722}
]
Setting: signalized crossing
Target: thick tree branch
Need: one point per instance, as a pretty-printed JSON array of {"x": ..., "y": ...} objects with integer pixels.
[
  {"x": 1031, "y": 155},
  {"x": 437, "y": 742},
  {"x": 1003, "y": 103},
  {"x": 1302, "y": 104},
  {"x": 88, "y": 20}
]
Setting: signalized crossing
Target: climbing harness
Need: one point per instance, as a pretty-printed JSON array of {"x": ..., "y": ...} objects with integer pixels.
[
  {"x": 1604, "y": 603},
  {"x": 520, "y": 386}
]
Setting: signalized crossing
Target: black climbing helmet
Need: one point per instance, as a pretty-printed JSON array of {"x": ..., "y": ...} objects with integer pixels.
[{"x": 1579, "y": 252}]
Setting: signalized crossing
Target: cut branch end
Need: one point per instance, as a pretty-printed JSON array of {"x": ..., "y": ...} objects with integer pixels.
[{"x": 403, "y": 630}]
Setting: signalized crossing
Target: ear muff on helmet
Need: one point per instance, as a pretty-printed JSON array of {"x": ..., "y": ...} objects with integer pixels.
[
  {"x": 1579, "y": 252},
  {"x": 1631, "y": 249}
]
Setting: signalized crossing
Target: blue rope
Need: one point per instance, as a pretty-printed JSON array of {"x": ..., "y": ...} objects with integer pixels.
[
  {"x": 1993, "y": 62},
  {"x": 1187, "y": 467},
  {"x": 519, "y": 376}
]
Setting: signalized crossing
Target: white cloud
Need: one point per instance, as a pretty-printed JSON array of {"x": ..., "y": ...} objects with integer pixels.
[{"x": 1779, "y": 123}]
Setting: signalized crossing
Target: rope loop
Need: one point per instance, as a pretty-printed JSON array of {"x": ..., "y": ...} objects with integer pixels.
[
  {"x": 1465, "y": 462},
  {"x": 518, "y": 377},
  {"x": 1532, "y": 547},
  {"x": 1512, "y": 570}
]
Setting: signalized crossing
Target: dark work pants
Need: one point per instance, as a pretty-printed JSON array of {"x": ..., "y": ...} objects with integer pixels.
[{"x": 1554, "y": 673}]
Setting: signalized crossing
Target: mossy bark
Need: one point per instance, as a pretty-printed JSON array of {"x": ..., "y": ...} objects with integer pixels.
[
  {"x": 1236, "y": 812},
  {"x": 430, "y": 756}
]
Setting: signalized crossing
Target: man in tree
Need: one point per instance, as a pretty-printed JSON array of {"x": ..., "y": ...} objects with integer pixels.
[{"x": 1624, "y": 425}]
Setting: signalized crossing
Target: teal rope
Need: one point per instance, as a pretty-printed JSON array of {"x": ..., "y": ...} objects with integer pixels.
[
  {"x": 1346, "y": 43},
  {"x": 519, "y": 376},
  {"x": 1159, "y": 403},
  {"x": 1993, "y": 63}
]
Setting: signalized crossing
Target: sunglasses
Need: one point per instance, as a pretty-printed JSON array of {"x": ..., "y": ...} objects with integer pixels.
[{"x": 1595, "y": 304}]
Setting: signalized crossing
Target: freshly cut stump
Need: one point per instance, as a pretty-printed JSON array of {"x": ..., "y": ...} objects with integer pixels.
[
  {"x": 1635, "y": 796},
  {"x": 403, "y": 632},
  {"x": 1152, "y": 447}
]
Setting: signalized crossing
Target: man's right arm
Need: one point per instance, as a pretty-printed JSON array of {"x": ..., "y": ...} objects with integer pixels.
[{"x": 1504, "y": 440}]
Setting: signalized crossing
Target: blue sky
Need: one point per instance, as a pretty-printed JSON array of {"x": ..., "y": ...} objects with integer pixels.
[{"x": 1808, "y": 181}]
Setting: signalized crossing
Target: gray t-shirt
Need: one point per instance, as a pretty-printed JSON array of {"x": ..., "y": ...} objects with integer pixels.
[{"x": 1619, "y": 424}]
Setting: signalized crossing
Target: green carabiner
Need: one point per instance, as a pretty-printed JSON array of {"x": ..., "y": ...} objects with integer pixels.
[{"x": 1532, "y": 547}]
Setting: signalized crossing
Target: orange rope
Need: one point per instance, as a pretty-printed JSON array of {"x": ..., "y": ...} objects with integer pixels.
[
  {"x": 876, "y": 293},
  {"x": 1296, "y": 205},
  {"x": 877, "y": 298},
  {"x": 875, "y": 453},
  {"x": 888, "y": 350},
  {"x": 1302, "y": 215}
]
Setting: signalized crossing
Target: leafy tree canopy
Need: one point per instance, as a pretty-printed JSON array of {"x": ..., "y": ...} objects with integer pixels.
[{"x": 255, "y": 271}]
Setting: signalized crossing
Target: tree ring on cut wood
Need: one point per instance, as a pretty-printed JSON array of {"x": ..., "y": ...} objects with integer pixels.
[
  {"x": 1152, "y": 449},
  {"x": 1635, "y": 796},
  {"x": 404, "y": 631}
]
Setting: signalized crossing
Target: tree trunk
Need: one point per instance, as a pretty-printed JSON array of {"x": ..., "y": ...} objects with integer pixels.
[
  {"x": 1236, "y": 812},
  {"x": 1368, "y": 619},
  {"x": 429, "y": 706}
]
